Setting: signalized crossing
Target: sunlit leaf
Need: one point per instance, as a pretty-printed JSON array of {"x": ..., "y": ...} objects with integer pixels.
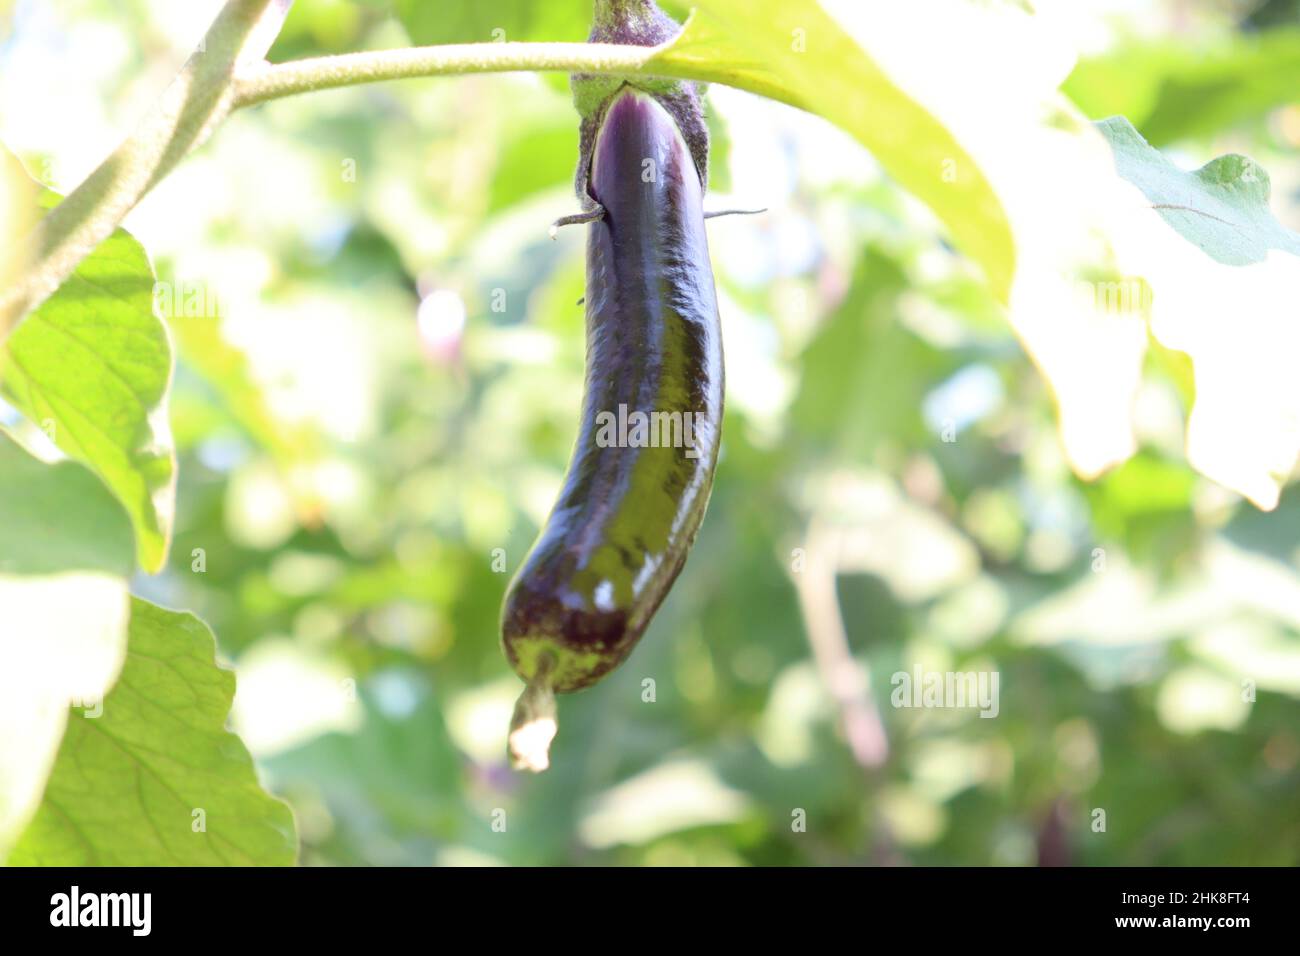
[
  {"x": 792, "y": 51},
  {"x": 1114, "y": 246},
  {"x": 92, "y": 367},
  {"x": 65, "y": 553},
  {"x": 156, "y": 778},
  {"x": 1224, "y": 278},
  {"x": 1221, "y": 208}
]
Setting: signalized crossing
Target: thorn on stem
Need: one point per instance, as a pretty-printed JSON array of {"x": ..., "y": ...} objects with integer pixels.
[
  {"x": 577, "y": 219},
  {"x": 734, "y": 212}
]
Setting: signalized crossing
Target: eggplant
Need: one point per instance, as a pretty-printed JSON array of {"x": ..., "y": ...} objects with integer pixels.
[{"x": 633, "y": 497}]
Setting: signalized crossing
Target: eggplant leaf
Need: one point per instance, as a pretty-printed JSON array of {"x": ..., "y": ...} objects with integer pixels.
[
  {"x": 92, "y": 367},
  {"x": 156, "y": 778},
  {"x": 65, "y": 555}
]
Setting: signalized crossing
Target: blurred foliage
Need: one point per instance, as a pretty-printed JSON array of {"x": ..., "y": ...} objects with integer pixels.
[
  {"x": 1171, "y": 89},
  {"x": 380, "y": 394}
]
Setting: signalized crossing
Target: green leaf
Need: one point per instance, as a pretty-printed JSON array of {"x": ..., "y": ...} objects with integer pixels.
[
  {"x": 792, "y": 51},
  {"x": 129, "y": 785},
  {"x": 92, "y": 367},
  {"x": 65, "y": 554},
  {"x": 58, "y": 518},
  {"x": 1222, "y": 208}
]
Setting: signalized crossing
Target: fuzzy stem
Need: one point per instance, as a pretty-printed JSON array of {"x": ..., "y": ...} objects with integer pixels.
[
  {"x": 614, "y": 15},
  {"x": 274, "y": 81},
  {"x": 192, "y": 106}
]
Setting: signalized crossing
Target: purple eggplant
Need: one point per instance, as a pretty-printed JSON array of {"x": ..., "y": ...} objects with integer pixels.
[{"x": 642, "y": 469}]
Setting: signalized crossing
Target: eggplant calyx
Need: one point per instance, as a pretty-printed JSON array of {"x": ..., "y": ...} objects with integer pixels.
[
  {"x": 638, "y": 22},
  {"x": 635, "y": 23}
]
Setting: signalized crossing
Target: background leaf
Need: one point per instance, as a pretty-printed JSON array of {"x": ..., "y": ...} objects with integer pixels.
[
  {"x": 58, "y": 517},
  {"x": 474, "y": 23},
  {"x": 1176, "y": 90}
]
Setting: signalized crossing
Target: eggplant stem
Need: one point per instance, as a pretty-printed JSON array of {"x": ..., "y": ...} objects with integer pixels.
[
  {"x": 535, "y": 721},
  {"x": 578, "y": 219},
  {"x": 734, "y": 212}
]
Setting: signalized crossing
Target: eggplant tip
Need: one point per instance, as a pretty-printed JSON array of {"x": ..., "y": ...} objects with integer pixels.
[
  {"x": 530, "y": 744},
  {"x": 534, "y": 724}
]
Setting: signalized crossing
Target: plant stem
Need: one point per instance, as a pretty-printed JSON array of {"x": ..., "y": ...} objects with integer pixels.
[
  {"x": 844, "y": 678},
  {"x": 192, "y": 106},
  {"x": 273, "y": 81},
  {"x": 228, "y": 72}
]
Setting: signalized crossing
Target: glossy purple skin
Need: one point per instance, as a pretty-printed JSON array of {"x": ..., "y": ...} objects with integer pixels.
[{"x": 627, "y": 516}]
